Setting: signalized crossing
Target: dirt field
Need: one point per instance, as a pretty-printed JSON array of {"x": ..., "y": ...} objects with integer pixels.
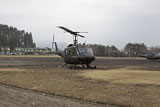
[{"x": 115, "y": 82}]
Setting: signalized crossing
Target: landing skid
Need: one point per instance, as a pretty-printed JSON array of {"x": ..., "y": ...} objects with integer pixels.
[
  {"x": 62, "y": 66},
  {"x": 75, "y": 66},
  {"x": 91, "y": 66}
]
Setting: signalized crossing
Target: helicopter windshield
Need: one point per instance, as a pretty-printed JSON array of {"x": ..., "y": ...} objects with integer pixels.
[
  {"x": 89, "y": 50},
  {"x": 85, "y": 50},
  {"x": 82, "y": 49}
]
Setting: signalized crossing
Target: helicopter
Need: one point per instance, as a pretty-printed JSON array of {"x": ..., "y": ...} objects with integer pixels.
[
  {"x": 151, "y": 56},
  {"x": 76, "y": 54}
]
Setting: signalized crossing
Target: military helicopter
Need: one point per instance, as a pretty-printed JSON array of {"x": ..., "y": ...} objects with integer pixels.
[
  {"x": 76, "y": 54},
  {"x": 151, "y": 56}
]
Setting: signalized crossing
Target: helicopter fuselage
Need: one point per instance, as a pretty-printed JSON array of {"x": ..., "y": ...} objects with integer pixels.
[
  {"x": 78, "y": 55},
  {"x": 151, "y": 56}
]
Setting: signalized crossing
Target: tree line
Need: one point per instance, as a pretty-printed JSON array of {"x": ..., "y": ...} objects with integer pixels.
[
  {"x": 130, "y": 50},
  {"x": 12, "y": 37}
]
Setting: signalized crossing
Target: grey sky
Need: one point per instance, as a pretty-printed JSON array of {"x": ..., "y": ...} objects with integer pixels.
[{"x": 109, "y": 22}]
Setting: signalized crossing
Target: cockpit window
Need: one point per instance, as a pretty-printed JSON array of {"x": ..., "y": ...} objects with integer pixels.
[
  {"x": 71, "y": 51},
  {"x": 89, "y": 50},
  {"x": 84, "y": 50}
]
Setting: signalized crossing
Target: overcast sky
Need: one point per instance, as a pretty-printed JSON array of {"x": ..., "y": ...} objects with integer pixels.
[{"x": 109, "y": 22}]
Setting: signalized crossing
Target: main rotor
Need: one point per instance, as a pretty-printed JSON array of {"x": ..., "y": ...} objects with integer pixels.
[{"x": 75, "y": 34}]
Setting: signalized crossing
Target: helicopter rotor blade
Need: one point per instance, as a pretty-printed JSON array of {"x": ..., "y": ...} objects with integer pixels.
[
  {"x": 81, "y": 35},
  {"x": 72, "y": 32},
  {"x": 66, "y": 29},
  {"x": 81, "y": 32}
]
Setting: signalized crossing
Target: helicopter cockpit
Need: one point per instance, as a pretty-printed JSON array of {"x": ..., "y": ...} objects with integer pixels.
[
  {"x": 85, "y": 51},
  {"x": 71, "y": 51},
  {"x": 74, "y": 51}
]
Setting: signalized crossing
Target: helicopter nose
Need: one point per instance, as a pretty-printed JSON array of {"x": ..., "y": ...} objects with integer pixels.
[{"x": 88, "y": 60}]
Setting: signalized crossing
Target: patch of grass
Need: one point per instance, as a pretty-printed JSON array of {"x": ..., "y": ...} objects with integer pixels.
[
  {"x": 124, "y": 75},
  {"x": 113, "y": 86},
  {"x": 120, "y": 58},
  {"x": 30, "y": 56},
  {"x": 11, "y": 69}
]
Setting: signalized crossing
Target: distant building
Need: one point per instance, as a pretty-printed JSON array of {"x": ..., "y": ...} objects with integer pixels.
[
  {"x": 43, "y": 51},
  {"x": 25, "y": 51},
  {"x": 4, "y": 50}
]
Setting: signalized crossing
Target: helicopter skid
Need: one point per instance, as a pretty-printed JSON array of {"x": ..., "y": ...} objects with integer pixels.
[
  {"x": 90, "y": 66},
  {"x": 78, "y": 66}
]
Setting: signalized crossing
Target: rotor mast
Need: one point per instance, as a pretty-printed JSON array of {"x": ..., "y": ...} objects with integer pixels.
[{"x": 75, "y": 39}]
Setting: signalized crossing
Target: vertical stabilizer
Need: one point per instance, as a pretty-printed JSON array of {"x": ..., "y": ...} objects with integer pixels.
[
  {"x": 53, "y": 43},
  {"x": 56, "y": 46}
]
